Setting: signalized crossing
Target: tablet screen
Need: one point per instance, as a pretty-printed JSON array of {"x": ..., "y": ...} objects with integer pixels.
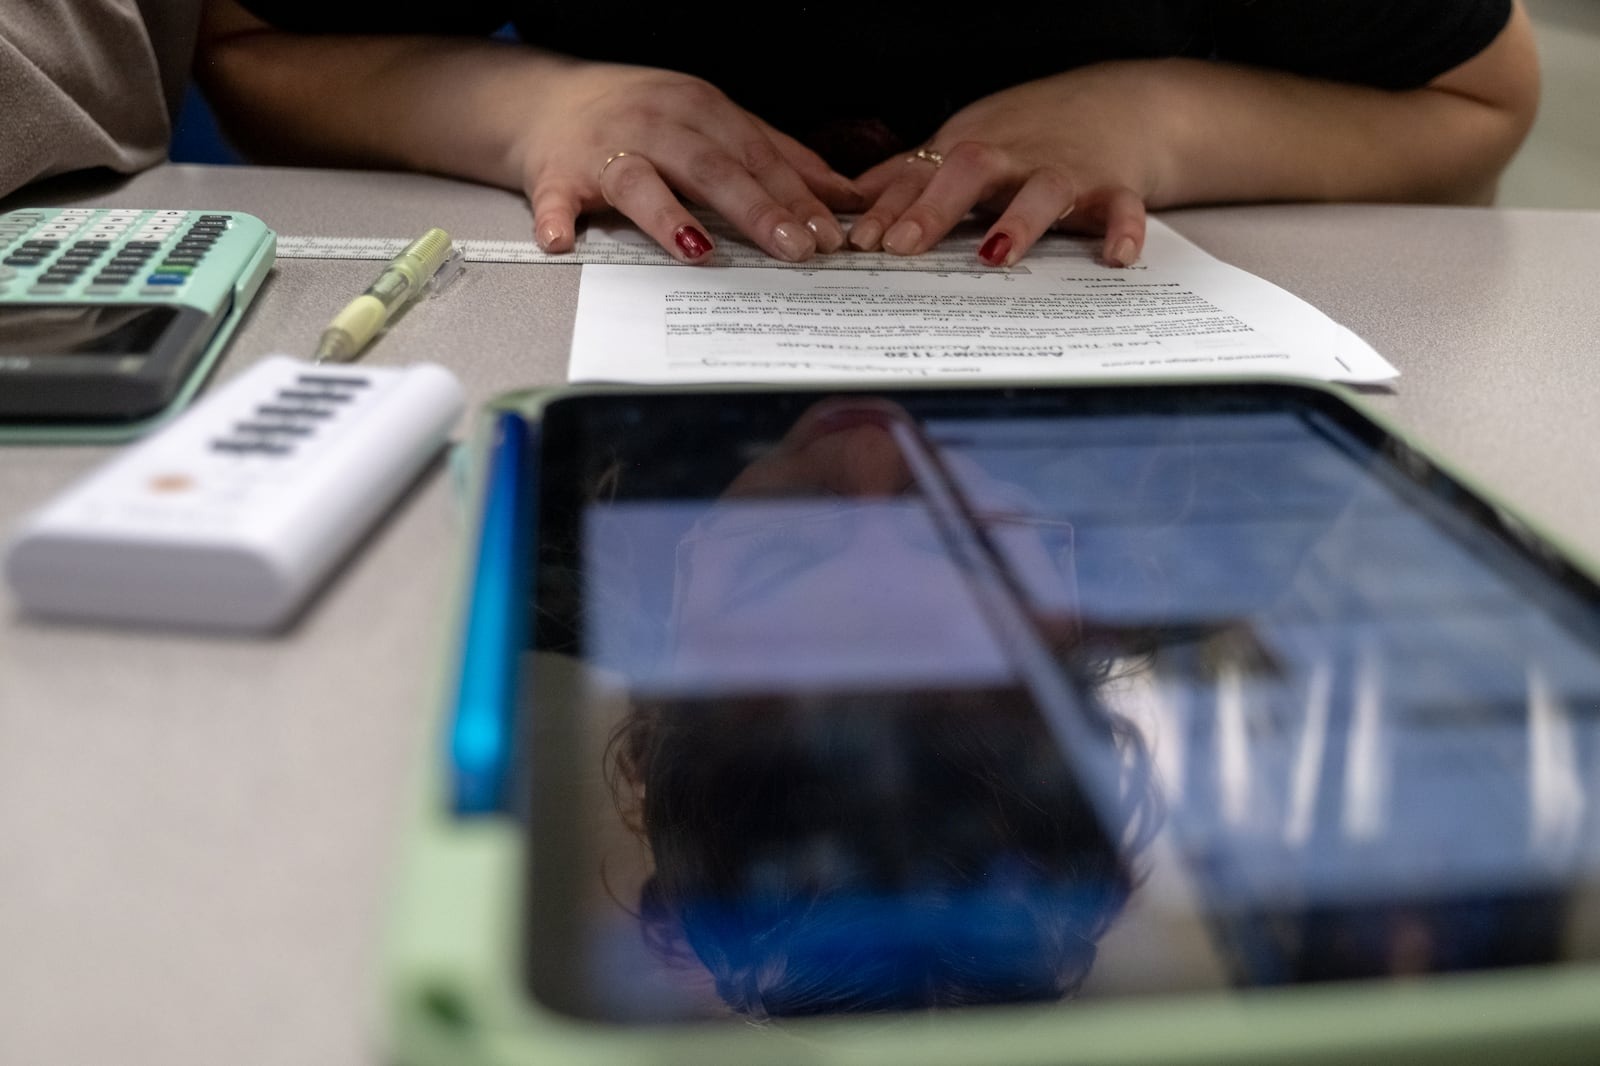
[{"x": 932, "y": 700}]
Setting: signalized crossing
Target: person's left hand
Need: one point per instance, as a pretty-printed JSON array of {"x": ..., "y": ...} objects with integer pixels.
[{"x": 1086, "y": 144}]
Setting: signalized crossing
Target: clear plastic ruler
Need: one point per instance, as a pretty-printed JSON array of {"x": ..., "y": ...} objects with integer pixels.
[{"x": 957, "y": 253}]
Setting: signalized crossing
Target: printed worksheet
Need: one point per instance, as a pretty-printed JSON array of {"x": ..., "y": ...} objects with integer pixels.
[{"x": 1058, "y": 315}]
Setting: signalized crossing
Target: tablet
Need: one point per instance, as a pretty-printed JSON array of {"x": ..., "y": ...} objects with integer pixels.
[{"x": 1210, "y": 721}]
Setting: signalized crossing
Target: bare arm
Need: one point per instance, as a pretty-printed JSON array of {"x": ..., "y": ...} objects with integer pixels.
[
  {"x": 573, "y": 136},
  {"x": 1240, "y": 134},
  {"x": 391, "y": 102},
  {"x": 1104, "y": 141}
]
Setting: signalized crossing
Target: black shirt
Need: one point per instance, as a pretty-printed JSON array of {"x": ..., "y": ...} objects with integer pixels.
[{"x": 826, "y": 72}]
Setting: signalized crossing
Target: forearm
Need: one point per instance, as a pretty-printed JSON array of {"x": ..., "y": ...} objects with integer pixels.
[
  {"x": 447, "y": 105},
  {"x": 1231, "y": 133}
]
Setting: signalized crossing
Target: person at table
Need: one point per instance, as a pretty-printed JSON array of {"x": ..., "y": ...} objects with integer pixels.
[{"x": 1082, "y": 115}]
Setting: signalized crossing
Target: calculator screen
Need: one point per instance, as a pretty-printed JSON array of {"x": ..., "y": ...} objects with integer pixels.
[{"x": 81, "y": 329}]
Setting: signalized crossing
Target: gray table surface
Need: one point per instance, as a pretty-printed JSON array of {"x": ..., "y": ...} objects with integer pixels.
[{"x": 197, "y": 834}]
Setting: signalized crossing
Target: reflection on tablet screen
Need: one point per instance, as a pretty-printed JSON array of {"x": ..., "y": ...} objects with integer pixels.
[{"x": 893, "y": 703}]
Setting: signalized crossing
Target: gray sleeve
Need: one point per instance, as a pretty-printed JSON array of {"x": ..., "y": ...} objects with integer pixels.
[{"x": 90, "y": 83}]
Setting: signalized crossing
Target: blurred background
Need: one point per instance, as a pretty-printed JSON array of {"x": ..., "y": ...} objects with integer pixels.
[{"x": 1559, "y": 165}]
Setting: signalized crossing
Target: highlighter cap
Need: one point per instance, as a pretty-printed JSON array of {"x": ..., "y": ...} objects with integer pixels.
[{"x": 423, "y": 257}]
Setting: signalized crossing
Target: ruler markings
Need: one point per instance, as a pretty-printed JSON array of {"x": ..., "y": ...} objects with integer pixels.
[{"x": 955, "y": 260}]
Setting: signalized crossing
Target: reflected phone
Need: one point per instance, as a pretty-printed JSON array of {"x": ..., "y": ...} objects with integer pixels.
[{"x": 110, "y": 319}]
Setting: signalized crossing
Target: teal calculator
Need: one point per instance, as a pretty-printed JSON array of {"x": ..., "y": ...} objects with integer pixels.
[{"x": 110, "y": 319}]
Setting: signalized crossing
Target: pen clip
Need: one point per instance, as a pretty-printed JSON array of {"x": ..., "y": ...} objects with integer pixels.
[{"x": 448, "y": 271}]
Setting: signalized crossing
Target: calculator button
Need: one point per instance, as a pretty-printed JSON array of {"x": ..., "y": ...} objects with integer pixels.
[
  {"x": 22, "y": 260},
  {"x": 43, "y": 289},
  {"x": 287, "y": 429},
  {"x": 283, "y": 411},
  {"x": 137, "y": 246},
  {"x": 216, "y": 218},
  {"x": 158, "y": 291},
  {"x": 41, "y": 242},
  {"x": 166, "y": 279},
  {"x": 318, "y": 395},
  {"x": 116, "y": 271},
  {"x": 339, "y": 380}
]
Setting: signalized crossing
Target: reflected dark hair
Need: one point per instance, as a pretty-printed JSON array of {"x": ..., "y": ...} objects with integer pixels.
[{"x": 876, "y": 851}]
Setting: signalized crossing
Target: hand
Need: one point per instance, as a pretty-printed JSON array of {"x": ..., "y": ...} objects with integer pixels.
[
  {"x": 1083, "y": 146},
  {"x": 635, "y": 138}
]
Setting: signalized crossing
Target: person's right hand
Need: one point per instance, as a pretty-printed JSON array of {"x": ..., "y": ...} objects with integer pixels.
[{"x": 637, "y": 139}]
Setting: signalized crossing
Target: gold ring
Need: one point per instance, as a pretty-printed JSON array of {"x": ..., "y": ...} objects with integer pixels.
[
  {"x": 601, "y": 173},
  {"x": 612, "y": 158},
  {"x": 927, "y": 155}
]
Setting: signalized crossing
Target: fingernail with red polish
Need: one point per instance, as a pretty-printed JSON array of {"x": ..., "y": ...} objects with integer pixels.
[
  {"x": 693, "y": 243},
  {"x": 995, "y": 250}
]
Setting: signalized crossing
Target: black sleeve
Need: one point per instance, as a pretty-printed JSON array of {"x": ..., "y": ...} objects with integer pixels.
[
  {"x": 458, "y": 18},
  {"x": 1389, "y": 44}
]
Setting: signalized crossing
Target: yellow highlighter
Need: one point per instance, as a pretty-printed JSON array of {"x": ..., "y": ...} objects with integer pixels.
[{"x": 400, "y": 281}]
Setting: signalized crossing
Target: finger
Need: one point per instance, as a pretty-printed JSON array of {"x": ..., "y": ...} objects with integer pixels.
[
  {"x": 690, "y": 159},
  {"x": 768, "y": 164},
  {"x": 556, "y": 206},
  {"x": 1044, "y": 199},
  {"x": 971, "y": 172},
  {"x": 830, "y": 186},
  {"x": 910, "y": 176},
  {"x": 631, "y": 184},
  {"x": 1125, "y": 226},
  {"x": 875, "y": 179},
  {"x": 1118, "y": 214},
  {"x": 707, "y": 173}
]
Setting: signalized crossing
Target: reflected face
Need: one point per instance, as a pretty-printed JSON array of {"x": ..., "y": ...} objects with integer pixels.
[{"x": 824, "y": 564}]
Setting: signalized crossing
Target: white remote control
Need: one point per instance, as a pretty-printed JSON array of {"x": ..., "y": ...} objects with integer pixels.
[{"x": 231, "y": 515}]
